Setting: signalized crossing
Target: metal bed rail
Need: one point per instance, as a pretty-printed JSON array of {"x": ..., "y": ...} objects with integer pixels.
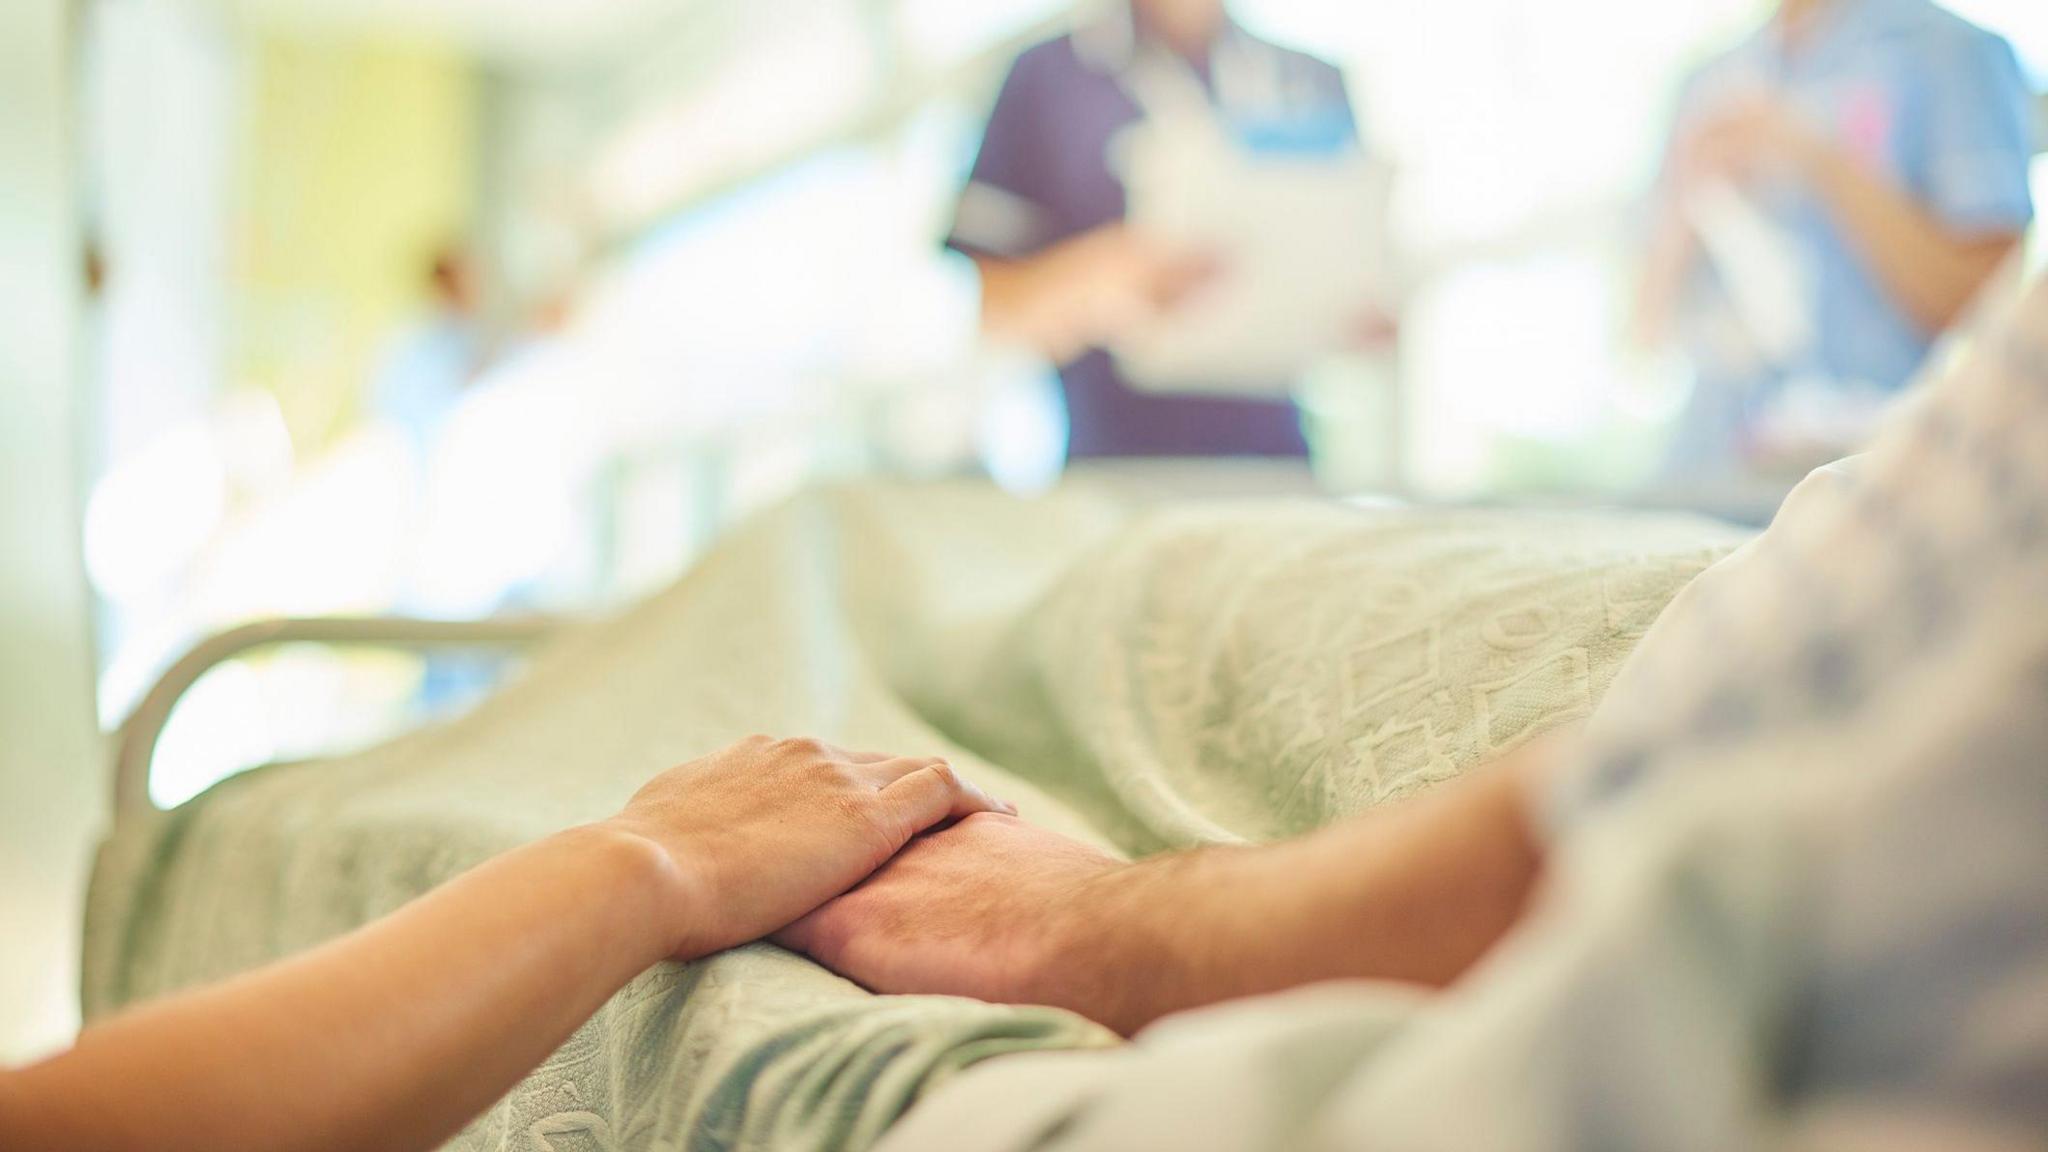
[{"x": 135, "y": 743}]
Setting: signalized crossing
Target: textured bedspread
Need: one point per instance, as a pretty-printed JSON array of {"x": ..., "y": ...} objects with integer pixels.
[{"x": 1146, "y": 676}]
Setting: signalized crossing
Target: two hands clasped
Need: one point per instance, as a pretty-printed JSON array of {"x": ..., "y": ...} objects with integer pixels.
[
  {"x": 758, "y": 834},
  {"x": 892, "y": 870},
  {"x": 927, "y": 885}
]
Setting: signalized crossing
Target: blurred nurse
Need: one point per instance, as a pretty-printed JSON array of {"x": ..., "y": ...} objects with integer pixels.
[
  {"x": 1838, "y": 188},
  {"x": 1042, "y": 216}
]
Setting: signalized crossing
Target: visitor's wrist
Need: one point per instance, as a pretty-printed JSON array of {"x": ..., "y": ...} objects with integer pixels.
[{"x": 655, "y": 898}]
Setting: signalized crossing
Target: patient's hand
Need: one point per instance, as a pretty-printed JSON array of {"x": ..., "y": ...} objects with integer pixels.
[
  {"x": 978, "y": 909},
  {"x": 760, "y": 833},
  {"x": 994, "y": 908}
]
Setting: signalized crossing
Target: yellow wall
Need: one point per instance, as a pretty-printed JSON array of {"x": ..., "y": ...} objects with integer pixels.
[{"x": 357, "y": 160}]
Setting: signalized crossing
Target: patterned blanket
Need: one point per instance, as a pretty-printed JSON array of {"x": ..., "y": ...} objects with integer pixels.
[{"x": 1143, "y": 675}]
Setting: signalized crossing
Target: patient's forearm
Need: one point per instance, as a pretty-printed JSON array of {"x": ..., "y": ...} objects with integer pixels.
[
  {"x": 389, "y": 1038},
  {"x": 1414, "y": 892}
]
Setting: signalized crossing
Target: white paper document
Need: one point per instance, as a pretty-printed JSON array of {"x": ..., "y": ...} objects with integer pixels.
[{"x": 1300, "y": 243}]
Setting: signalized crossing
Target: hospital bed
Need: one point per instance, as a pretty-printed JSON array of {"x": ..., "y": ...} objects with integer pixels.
[
  {"x": 1143, "y": 674},
  {"x": 136, "y": 742}
]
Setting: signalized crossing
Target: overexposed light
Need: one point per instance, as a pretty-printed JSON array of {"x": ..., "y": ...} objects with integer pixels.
[
  {"x": 2038, "y": 253},
  {"x": 333, "y": 543},
  {"x": 158, "y": 91},
  {"x": 1023, "y": 431},
  {"x": 504, "y": 491},
  {"x": 1652, "y": 387},
  {"x": 325, "y": 701},
  {"x": 928, "y": 432},
  {"x": 1496, "y": 350},
  {"x": 930, "y": 318},
  {"x": 821, "y": 278},
  {"x": 2023, "y": 22},
  {"x": 941, "y": 32},
  {"x": 255, "y": 443},
  {"x": 296, "y": 702},
  {"x": 219, "y": 728},
  {"x": 1335, "y": 30},
  {"x": 145, "y": 650},
  {"x": 150, "y": 518},
  {"x": 664, "y": 512},
  {"x": 769, "y": 98},
  {"x": 767, "y": 468}
]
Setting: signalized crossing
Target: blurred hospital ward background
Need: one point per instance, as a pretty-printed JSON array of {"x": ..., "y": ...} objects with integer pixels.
[{"x": 464, "y": 309}]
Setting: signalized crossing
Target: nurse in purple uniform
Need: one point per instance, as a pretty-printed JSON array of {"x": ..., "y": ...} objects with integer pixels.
[{"x": 1042, "y": 214}]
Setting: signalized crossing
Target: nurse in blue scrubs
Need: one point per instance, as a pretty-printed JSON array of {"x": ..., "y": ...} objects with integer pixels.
[
  {"x": 1882, "y": 149},
  {"x": 1042, "y": 215}
]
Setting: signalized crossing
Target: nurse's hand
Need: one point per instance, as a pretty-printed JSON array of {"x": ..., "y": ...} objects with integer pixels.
[
  {"x": 1749, "y": 138},
  {"x": 1374, "y": 329},
  {"x": 1087, "y": 291},
  {"x": 757, "y": 835}
]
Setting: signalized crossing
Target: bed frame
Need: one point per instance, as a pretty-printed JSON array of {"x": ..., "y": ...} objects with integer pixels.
[{"x": 135, "y": 743}]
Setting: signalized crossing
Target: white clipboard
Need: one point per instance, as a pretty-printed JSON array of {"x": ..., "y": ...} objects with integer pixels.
[{"x": 1301, "y": 247}]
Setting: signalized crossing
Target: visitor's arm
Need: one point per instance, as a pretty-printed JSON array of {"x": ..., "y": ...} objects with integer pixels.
[{"x": 396, "y": 1035}]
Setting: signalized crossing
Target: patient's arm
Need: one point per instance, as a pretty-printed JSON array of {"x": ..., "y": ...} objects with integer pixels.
[
  {"x": 394, "y": 1036},
  {"x": 997, "y": 909}
]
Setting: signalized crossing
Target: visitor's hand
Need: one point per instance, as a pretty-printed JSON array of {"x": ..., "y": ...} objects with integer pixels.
[
  {"x": 760, "y": 833},
  {"x": 983, "y": 909}
]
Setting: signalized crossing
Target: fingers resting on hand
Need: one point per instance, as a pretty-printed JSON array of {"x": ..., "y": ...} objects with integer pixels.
[
  {"x": 918, "y": 791},
  {"x": 931, "y": 792}
]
